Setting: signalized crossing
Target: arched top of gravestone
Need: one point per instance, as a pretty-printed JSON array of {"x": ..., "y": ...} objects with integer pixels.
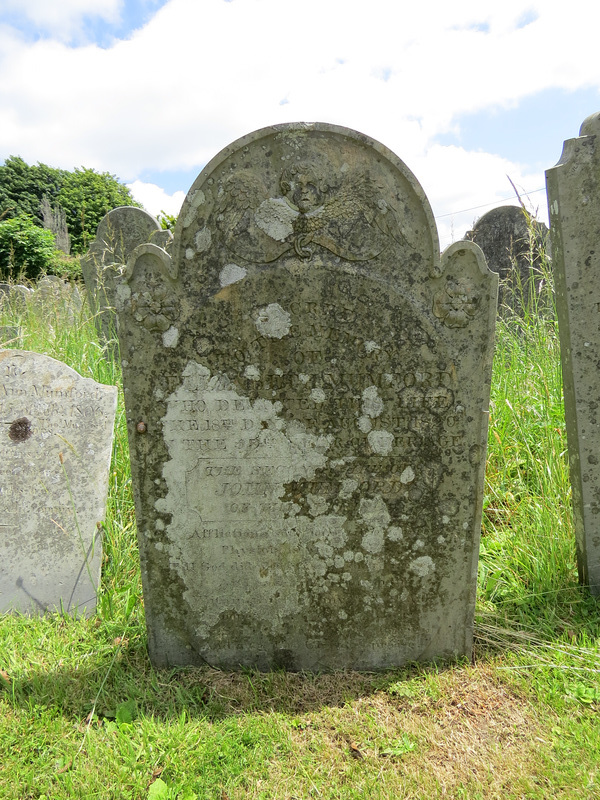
[
  {"x": 120, "y": 232},
  {"x": 590, "y": 125},
  {"x": 298, "y": 195}
]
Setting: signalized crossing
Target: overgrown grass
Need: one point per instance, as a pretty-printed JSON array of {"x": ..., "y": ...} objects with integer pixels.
[{"x": 84, "y": 715}]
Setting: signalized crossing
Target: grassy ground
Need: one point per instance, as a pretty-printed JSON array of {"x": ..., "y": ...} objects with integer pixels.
[{"x": 84, "y": 715}]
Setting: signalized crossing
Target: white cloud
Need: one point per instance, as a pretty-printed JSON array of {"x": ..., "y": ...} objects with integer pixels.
[
  {"x": 154, "y": 199},
  {"x": 62, "y": 19},
  {"x": 199, "y": 75}
]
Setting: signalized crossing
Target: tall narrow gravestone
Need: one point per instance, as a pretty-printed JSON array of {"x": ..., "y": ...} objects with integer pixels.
[
  {"x": 306, "y": 387},
  {"x": 574, "y": 201},
  {"x": 119, "y": 233},
  {"x": 56, "y": 432}
]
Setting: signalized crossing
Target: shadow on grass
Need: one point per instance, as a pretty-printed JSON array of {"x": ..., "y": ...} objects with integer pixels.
[{"x": 123, "y": 673}]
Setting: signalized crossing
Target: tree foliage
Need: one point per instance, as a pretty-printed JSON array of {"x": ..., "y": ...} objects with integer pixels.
[
  {"x": 84, "y": 194},
  {"x": 26, "y": 250}
]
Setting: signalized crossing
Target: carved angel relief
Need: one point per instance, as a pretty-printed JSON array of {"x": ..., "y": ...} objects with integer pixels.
[{"x": 352, "y": 220}]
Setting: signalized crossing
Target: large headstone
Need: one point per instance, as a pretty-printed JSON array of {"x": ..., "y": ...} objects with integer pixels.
[
  {"x": 119, "y": 233},
  {"x": 56, "y": 444},
  {"x": 306, "y": 387},
  {"x": 513, "y": 242},
  {"x": 574, "y": 202}
]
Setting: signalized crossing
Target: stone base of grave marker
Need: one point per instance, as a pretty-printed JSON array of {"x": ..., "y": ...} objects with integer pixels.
[
  {"x": 55, "y": 445},
  {"x": 306, "y": 386}
]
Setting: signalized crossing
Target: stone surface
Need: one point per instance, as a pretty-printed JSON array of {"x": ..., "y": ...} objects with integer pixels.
[
  {"x": 119, "y": 233},
  {"x": 56, "y": 300},
  {"x": 56, "y": 445},
  {"x": 14, "y": 297},
  {"x": 574, "y": 202},
  {"x": 306, "y": 387},
  {"x": 512, "y": 241}
]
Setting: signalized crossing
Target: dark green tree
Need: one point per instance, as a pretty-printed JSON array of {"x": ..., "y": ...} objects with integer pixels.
[
  {"x": 86, "y": 196},
  {"x": 22, "y": 188}
]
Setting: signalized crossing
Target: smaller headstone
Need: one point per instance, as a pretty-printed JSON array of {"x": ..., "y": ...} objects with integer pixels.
[
  {"x": 574, "y": 202},
  {"x": 14, "y": 297},
  {"x": 56, "y": 431},
  {"x": 118, "y": 234},
  {"x": 513, "y": 243},
  {"x": 52, "y": 295}
]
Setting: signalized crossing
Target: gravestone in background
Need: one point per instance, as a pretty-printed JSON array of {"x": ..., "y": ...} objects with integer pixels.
[
  {"x": 307, "y": 387},
  {"x": 56, "y": 442},
  {"x": 512, "y": 243},
  {"x": 574, "y": 202},
  {"x": 55, "y": 300},
  {"x": 119, "y": 233}
]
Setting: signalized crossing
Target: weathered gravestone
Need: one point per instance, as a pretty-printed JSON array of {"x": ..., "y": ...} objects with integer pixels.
[
  {"x": 574, "y": 202},
  {"x": 56, "y": 434},
  {"x": 306, "y": 387},
  {"x": 119, "y": 233},
  {"x": 513, "y": 243}
]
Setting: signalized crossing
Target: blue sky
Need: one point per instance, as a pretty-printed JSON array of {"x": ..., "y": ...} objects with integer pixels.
[{"x": 465, "y": 93}]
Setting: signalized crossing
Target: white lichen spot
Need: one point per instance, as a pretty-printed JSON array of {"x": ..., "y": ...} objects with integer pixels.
[
  {"x": 303, "y": 378},
  {"x": 342, "y": 615},
  {"x": 159, "y": 546},
  {"x": 190, "y": 253},
  {"x": 273, "y": 321},
  {"x": 422, "y": 566},
  {"x": 122, "y": 295},
  {"x": 441, "y": 540},
  {"x": 381, "y": 442},
  {"x": 252, "y": 372},
  {"x": 338, "y": 562},
  {"x": 276, "y": 218},
  {"x": 465, "y": 526},
  {"x": 170, "y": 337},
  {"x": 347, "y": 489},
  {"x": 202, "y": 240},
  {"x": 231, "y": 273},
  {"x": 419, "y": 544},
  {"x": 159, "y": 525},
  {"x": 374, "y": 512},
  {"x": 318, "y": 396},
  {"x": 394, "y": 534},
  {"x": 364, "y": 424},
  {"x": 317, "y": 504},
  {"x": 358, "y": 557},
  {"x": 346, "y": 576},
  {"x": 371, "y": 347},
  {"x": 407, "y": 476},
  {"x": 373, "y": 540},
  {"x": 388, "y": 377},
  {"x": 348, "y": 555},
  {"x": 324, "y": 550},
  {"x": 372, "y": 403},
  {"x": 278, "y": 371},
  {"x": 445, "y": 519}
]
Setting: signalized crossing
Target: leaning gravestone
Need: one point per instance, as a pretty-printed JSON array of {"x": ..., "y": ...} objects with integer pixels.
[
  {"x": 57, "y": 430},
  {"x": 119, "y": 233},
  {"x": 574, "y": 202},
  {"x": 306, "y": 386},
  {"x": 513, "y": 242}
]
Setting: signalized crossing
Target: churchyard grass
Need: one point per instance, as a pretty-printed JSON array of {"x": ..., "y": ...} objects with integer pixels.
[{"x": 84, "y": 715}]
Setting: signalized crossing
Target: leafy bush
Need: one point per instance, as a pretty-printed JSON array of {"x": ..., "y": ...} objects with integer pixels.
[
  {"x": 84, "y": 196},
  {"x": 26, "y": 250}
]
